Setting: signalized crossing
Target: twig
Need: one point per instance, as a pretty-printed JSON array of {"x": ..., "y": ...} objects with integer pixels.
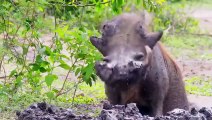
[
  {"x": 60, "y": 92},
  {"x": 68, "y": 90},
  {"x": 75, "y": 90},
  {"x": 5, "y": 75},
  {"x": 55, "y": 27},
  {"x": 1, "y": 62}
]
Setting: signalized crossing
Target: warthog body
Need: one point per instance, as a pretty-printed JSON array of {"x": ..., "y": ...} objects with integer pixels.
[{"x": 136, "y": 68}]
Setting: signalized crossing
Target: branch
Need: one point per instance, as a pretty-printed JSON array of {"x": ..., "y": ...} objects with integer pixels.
[
  {"x": 75, "y": 90},
  {"x": 1, "y": 62},
  {"x": 60, "y": 92},
  {"x": 79, "y": 5},
  {"x": 5, "y": 75},
  {"x": 68, "y": 90}
]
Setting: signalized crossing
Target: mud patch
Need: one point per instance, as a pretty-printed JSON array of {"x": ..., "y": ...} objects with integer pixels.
[
  {"x": 192, "y": 68},
  {"x": 44, "y": 111}
]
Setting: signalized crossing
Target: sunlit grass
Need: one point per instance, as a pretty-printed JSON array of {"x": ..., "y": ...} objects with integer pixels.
[
  {"x": 189, "y": 46},
  {"x": 199, "y": 86}
]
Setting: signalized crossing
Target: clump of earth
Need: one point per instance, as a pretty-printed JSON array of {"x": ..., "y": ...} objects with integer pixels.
[{"x": 44, "y": 111}]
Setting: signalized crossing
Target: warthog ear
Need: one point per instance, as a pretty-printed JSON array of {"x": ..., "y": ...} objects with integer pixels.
[
  {"x": 153, "y": 38},
  {"x": 99, "y": 44}
]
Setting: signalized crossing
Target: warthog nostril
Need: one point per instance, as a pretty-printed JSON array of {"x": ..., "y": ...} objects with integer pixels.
[
  {"x": 130, "y": 63},
  {"x": 122, "y": 73}
]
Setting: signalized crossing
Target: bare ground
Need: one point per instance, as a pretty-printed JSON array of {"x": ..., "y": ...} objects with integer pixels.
[{"x": 196, "y": 67}]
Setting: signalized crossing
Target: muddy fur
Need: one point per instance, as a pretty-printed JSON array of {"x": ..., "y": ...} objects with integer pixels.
[{"x": 137, "y": 68}]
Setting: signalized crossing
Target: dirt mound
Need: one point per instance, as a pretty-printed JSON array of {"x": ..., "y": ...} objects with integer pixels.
[
  {"x": 44, "y": 111},
  {"x": 131, "y": 112},
  {"x": 120, "y": 112}
]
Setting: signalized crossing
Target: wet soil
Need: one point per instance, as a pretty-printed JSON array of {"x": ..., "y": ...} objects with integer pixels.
[
  {"x": 191, "y": 68},
  {"x": 44, "y": 111}
]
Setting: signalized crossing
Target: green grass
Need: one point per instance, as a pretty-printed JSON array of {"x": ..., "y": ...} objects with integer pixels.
[
  {"x": 189, "y": 46},
  {"x": 193, "y": 4},
  {"x": 199, "y": 3},
  {"x": 199, "y": 86},
  {"x": 84, "y": 94}
]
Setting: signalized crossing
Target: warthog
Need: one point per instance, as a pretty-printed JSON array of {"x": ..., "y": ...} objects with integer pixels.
[{"x": 136, "y": 68}]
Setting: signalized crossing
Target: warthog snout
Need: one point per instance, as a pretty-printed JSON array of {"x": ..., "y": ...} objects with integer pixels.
[{"x": 114, "y": 73}]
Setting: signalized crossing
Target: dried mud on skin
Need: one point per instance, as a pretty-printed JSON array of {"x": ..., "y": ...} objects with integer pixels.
[{"x": 44, "y": 111}]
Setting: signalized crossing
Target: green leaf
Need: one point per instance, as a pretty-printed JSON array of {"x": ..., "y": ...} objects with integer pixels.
[
  {"x": 45, "y": 63},
  {"x": 49, "y": 79},
  {"x": 77, "y": 71},
  {"x": 50, "y": 94},
  {"x": 25, "y": 49},
  {"x": 65, "y": 66},
  {"x": 38, "y": 59},
  {"x": 35, "y": 67},
  {"x": 88, "y": 70},
  {"x": 47, "y": 51},
  {"x": 18, "y": 81},
  {"x": 144, "y": 4},
  {"x": 55, "y": 90},
  {"x": 42, "y": 69},
  {"x": 64, "y": 56},
  {"x": 120, "y": 2},
  {"x": 12, "y": 73}
]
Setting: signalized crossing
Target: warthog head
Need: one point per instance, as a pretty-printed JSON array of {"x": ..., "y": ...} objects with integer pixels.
[{"x": 126, "y": 46}]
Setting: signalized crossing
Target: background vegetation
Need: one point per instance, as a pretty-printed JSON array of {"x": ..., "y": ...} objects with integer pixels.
[{"x": 45, "y": 53}]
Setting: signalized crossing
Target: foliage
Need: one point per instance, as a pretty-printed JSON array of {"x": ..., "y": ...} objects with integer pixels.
[
  {"x": 40, "y": 36},
  {"x": 173, "y": 18}
]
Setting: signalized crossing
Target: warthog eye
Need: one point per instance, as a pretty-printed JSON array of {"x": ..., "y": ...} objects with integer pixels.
[
  {"x": 105, "y": 59},
  {"x": 139, "y": 56}
]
